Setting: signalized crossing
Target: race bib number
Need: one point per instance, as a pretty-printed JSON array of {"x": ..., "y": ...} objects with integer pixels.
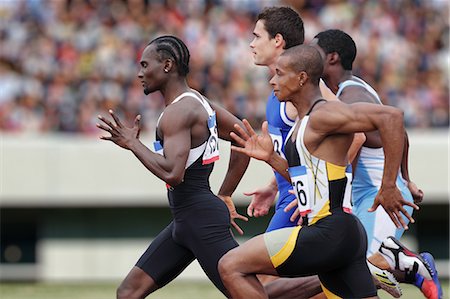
[
  {"x": 211, "y": 153},
  {"x": 158, "y": 147},
  {"x": 300, "y": 183},
  {"x": 347, "y": 204},
  {"x": 277, "y": 140}
]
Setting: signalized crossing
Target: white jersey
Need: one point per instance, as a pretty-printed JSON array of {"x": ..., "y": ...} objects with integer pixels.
[{"x": 313, "y": 179}]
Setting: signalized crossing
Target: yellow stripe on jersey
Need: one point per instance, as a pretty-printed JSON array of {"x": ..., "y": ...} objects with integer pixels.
[
  {"x": 281, "y": 256},
  {"x": 335, "y": 172},
  {"x": 324, "y": 212},
  {"x": 328, "y": 293}
]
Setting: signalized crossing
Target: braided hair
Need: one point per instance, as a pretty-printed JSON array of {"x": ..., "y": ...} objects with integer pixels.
[{"x": 171, "y": 47}]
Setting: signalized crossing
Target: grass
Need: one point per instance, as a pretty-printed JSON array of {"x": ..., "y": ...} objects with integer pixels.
[{"x": 176, "y": 290}]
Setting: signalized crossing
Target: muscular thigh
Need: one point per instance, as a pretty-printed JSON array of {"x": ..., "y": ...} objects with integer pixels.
[
  {"x": 351, "y": 281},
  {"x": 205, "y": 230},
  {"x": 335, "y": 245},
  {"x": 165, "y": 259}
]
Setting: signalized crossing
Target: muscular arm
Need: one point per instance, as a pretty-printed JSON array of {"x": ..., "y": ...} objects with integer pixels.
[
  {"x": 238, "y": 162},
  {"x": 176, "y": 127},
  {"x": 359, "y": 138},
  {"x": 338, "y": 118},
  {"x": 404, "y": 165},
  {"x": 416, "y": 193}
]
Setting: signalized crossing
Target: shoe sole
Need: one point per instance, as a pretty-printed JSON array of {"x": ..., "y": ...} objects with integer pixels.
[
  {"x": 385, "y": 280},
  {"x": 435, "y": 276}
]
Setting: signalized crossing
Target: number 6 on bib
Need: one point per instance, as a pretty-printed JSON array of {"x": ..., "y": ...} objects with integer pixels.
[{"x": 299, "y": 178}]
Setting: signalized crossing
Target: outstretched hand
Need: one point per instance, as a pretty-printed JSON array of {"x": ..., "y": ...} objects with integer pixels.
[
  {"x": 262, "y": 200},
  {"x": 233, "y": 213},
  {"x": 121, "y": 135},
  {"x": 392, "y": 201},
  {"x": 256, "y": 146}
]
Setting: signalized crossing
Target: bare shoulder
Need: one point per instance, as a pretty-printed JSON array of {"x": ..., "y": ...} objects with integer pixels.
[
  {"x": 185, "y": 112},
  {"x": 327, "y": 113},
  {"x": 328, "y": 107},
  {"x": 357, "y": 94}
]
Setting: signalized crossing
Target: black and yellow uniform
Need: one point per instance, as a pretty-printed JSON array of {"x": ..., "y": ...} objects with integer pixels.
[
  {"x": 331, "y": 243},
  {"x": 201, "y": 222}
]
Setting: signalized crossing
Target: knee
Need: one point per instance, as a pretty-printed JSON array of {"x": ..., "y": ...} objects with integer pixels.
[
  {"x": 227, "y": 265},
  {"x": 127, "y": 292},
  {"x": 122, "y": 293}
]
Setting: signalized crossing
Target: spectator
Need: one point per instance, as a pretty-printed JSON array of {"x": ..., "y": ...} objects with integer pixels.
[{"x": 62, "y": 62}]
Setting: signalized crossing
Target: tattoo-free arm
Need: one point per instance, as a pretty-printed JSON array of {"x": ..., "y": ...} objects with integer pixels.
[
  {"x": 177, "y": 142},
  {"x": 416, "y": 193},
  {"x": 339, "y": 118},
  {"x": 238, "y": 162}
]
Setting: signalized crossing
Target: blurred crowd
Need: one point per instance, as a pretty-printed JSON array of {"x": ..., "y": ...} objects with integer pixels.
[{"x": 63, "y": 62}]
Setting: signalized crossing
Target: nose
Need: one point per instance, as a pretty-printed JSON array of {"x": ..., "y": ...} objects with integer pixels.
[
  {"x": 272, "y": 81},
  {"x": 251, "y": 44},
  {"x": 140, "y": 74}
]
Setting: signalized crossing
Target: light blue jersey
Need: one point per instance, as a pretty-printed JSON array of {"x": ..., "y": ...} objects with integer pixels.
[{"x": 366, "y": 184}]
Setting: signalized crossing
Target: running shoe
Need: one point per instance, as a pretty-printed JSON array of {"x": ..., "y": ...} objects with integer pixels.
[
  {"x": 385, "y": 280},
  {"x": 401, "y": 258},
  {"x": 430, "y": 288}
]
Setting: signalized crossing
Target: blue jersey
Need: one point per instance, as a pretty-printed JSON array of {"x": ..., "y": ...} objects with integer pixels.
[{"x": 279, "y": 127}]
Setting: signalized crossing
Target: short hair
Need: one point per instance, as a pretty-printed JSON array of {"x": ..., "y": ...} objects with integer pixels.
[
  {"x": 305, "y": 58},
  {"x": 169, "y": 46},
  {"x": 285, "y": 21},
  {"x": 334, "y": 40}
]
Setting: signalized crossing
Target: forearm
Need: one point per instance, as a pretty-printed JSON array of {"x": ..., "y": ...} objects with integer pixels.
[
  {"x": 392, "y": 134},
  {"x": 358, "y": 141},
  {"x": 156, "y": 163},
  {"x": 236, "y": 168},
  {"x": 280, "y": 165},
  {"x": 273, "y": 183},
  {"x": 404, "y": 166}
]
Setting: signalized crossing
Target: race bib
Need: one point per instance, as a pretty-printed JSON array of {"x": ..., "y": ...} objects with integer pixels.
[
  {"x": 158, "y": 147},
  {"x": 302, "y": 188},
  {"x": 277, "y": 140},
  {"x": 211, "y": 153},
  {"x": 347, "y": 204}
]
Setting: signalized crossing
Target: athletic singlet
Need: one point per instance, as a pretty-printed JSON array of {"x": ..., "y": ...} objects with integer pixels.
[
  {"x": 318, "y": 184},
  {"x": 279, "y": 126},
  {"x": 210, "y": 148}
]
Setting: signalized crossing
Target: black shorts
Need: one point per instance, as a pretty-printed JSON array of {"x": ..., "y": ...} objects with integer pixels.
[
  {"x": 334, "y": 248},
  {"x": 200, "y": 232}
]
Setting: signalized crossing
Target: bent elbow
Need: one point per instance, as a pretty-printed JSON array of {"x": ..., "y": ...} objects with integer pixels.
[
  {"x": 392, "y": 116},
  {"x": 397, "y": 114},
  {"x": 174, "y": 179}
]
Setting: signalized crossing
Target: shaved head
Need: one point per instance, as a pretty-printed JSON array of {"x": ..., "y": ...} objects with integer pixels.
[{"x": 305, "y": 58}]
